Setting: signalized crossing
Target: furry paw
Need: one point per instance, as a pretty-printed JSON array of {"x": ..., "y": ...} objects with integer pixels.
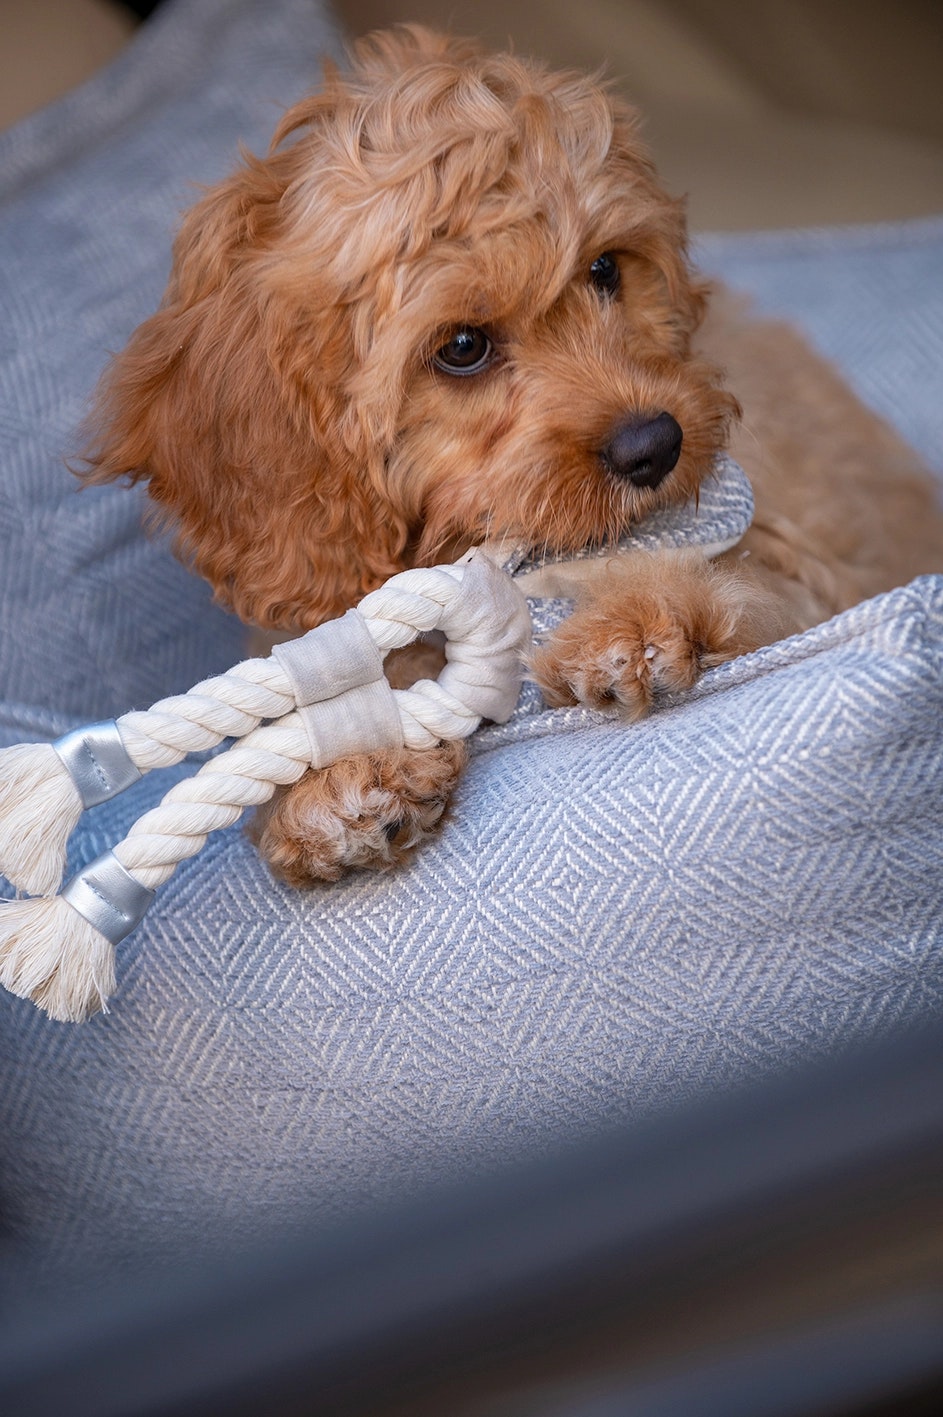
[
  {"x": 365, "y": 811},
  {"x": 622, "y": 671},
  {"x": 649, "y": 631}
]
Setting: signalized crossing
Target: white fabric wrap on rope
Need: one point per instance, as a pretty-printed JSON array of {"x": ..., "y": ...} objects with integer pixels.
[
  {"x": 483, "y": 656},
  {"x": 365, "y": 719},
  {"x": 345, "y": 702},
  {"x": 336, "y": 671},
  {"x": 330, "y": 660}
]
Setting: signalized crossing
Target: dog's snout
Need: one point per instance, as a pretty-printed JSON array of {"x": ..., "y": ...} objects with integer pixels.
[{"x": 644, "y": 450}]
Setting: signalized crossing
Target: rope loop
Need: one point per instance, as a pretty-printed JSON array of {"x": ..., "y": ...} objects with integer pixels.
[{"x": 321, "y": 698}]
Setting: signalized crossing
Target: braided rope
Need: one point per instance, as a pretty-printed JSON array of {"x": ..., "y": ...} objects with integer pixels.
[
  {"x": 471, "y": 601},
  {"x": 59, "y": 950},
  {"x": 45, "y": 787},
  {"x": 231, "y": 705},
  {"x": 228, "y": 705},
  {"x": 245, "y": 776}
]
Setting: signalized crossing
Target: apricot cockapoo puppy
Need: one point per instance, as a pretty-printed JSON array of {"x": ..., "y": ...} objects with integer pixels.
[{"x": 453, "y": 304}]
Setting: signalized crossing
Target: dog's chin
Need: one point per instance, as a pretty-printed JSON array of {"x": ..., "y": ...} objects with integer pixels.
[{"x": 559, "y": 514}]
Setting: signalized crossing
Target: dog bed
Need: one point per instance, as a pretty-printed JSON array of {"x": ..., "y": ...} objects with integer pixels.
[{"x": 614, "y": 920}]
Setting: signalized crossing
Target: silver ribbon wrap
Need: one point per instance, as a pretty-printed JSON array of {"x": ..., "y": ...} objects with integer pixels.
[
  {"x": 97, "y": 762},
  {"x": 108, "y": 897}
]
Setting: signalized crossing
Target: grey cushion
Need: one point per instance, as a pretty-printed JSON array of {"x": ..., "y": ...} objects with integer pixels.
[{"x": 613, "y": 920}]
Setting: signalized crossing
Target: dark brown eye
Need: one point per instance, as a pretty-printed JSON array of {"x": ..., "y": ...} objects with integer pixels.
[
  {"x": 604, "y": 274},
  {"x": 467, "y": 352}
]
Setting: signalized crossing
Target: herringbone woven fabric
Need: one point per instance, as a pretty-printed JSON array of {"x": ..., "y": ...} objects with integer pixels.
[
  {"x": 98, "y": 618},
  {"x": 613, "y": 920}
]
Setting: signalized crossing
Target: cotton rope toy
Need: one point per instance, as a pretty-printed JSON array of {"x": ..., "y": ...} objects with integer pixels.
[
  {"x": 328, "y": 697},
  {"x": 314, "y": 700}
]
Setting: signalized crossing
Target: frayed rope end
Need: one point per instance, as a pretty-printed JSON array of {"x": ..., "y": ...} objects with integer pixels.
[
  {"x": 50, "y": 954},
  {"x": 39, "y": 809}
]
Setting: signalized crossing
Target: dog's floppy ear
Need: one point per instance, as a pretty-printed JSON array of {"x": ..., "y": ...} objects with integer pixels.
[{"x": 230, "y": 403}]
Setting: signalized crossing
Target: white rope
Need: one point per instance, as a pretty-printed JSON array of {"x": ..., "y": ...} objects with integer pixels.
[
  {"x": 456, "y": 599},
  {"x": 59, "y": 951},
  {"x": 357, "y": 720},
  {"x": 276, "y": 755},
  {"x": 474, "y": 603},
  {"x": 245, "y": 776},
  {"x": 231, "y": 705}
]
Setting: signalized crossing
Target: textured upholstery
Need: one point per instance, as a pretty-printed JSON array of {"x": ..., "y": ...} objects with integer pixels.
[{"x": 613, "y": 920}]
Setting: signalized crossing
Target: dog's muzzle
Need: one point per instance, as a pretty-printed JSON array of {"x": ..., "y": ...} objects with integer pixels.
[{"x": 643, "y": 450}]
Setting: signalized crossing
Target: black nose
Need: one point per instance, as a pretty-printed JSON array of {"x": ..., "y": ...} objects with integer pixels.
[{"x": 644, "y": 449}]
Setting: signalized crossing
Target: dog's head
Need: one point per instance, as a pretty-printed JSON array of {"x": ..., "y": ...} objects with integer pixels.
[{"x": 452, "y": 303}]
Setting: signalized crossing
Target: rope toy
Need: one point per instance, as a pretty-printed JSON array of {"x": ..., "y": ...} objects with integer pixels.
[{"x": 314, "y": 700}]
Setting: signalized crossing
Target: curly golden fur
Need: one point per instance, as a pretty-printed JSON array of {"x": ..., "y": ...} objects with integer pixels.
[{"x": 441, "y": 309}]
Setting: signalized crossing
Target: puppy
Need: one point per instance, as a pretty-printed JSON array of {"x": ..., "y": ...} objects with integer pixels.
[{"x": 454, "y": 304}]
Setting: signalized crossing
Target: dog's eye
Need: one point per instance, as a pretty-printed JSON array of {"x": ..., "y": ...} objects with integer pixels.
[
  {"x": 604, "y": 273},
  {"x": 467, "y": 352}
]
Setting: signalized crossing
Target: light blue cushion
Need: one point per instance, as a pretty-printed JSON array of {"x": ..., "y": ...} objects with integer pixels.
[
  {"x": 613, "y": 920},
  {"x": 96, "y": 618}
]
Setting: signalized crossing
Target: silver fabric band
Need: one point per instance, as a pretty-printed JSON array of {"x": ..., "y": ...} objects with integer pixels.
[
  {"x": 322, "y": 666},
  {"x": 97, "y": 762},
  {"x": 108, "y": 897}
]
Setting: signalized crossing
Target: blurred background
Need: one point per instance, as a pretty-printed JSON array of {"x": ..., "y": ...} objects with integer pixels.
[{"x": 766, "y": 113}]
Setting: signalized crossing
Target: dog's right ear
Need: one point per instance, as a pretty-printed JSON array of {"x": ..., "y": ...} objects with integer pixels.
[{"x": 230, "y": 403}]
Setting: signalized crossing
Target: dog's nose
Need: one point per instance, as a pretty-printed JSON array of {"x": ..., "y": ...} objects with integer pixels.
[{"x": 644, "y": 449}]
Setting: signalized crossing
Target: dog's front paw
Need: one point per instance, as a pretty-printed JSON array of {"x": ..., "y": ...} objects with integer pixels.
[
  {"x": 364, "y": 811},
  {"x": 648, "y": 632},
  {"x": 623, "y": 670}
]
